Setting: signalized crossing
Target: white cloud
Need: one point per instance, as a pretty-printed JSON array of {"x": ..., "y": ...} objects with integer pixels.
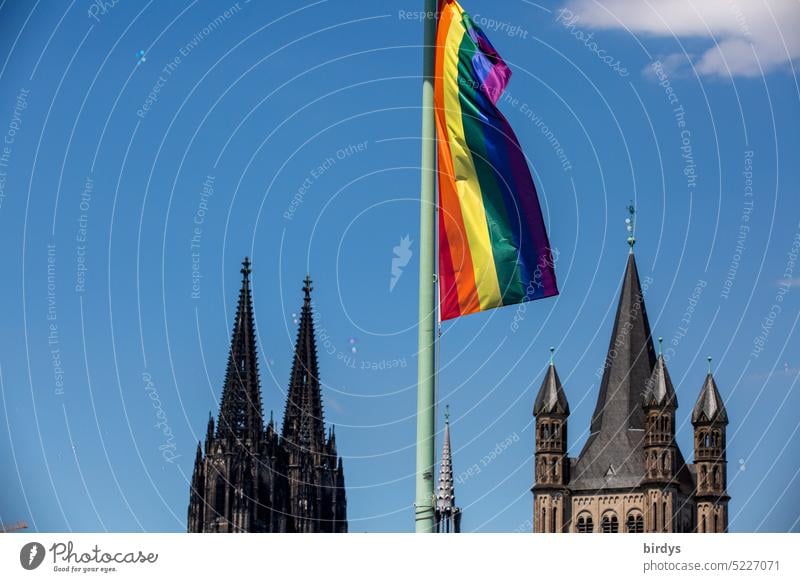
[{"x": 745, "y": 36}]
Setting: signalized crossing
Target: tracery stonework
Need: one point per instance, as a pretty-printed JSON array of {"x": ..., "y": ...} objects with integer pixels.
[{"x": 249, "y": 478}]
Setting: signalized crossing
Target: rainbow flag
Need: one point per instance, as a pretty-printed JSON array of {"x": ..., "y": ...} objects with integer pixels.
[{"x": 493, "y": 246}]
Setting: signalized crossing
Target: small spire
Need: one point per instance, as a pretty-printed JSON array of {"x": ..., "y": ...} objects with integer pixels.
[
  {"x": 660, "y": 347},
  {"x": 447, "y": 515},
  {"x": 709, "y": 364},
  {"x": 659, "y": 391},
  {"x": 210, "y": 423},
  {"x": 447, "y": 414},
  {"x": 551, "y": 398},
  {"x": 246, "y": 268},
  {"x": 630, "y": 223},
  {"x": 307, "y": 288},
  {"x": 709, "y": 407},
  {"x": 552, "y": 350}
]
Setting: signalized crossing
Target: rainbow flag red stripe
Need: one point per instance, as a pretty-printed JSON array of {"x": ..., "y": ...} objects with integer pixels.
[{"x": 493, "y": 245}]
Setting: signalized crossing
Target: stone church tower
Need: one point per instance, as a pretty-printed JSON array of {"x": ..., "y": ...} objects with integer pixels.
[
  {"x": 631, "y": 475},
  {"x": 247, "y": 477},
  {"x": 709, "y": 420}
]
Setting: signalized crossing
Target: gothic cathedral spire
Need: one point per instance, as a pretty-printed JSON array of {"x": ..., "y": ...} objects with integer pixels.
[
  {"x": 247, "y": 478},
  {"x": 314, "y": 472},
  {"x": 303, "y": 423},
  {"x": 240, "y": 414}
]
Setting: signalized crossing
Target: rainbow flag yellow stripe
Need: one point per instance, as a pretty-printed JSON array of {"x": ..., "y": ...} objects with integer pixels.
[{"x": 493, "y": 245}]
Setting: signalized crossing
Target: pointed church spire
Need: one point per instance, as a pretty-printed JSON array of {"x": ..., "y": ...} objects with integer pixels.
[
  {"x": 209, "y": 430},
  {"x": 551, "y": 398},
  {"x": 447, "y": 515},
  {"x": 303, "y": 423},
  {"x": 629, "y": 362},
  {"x": 659, "y": 391},
  {"x": 445, "y": 493},
  {"x": 240, "y": 414},
  {"x": 612, "y": 456},
  {"x": 709, "y": 407}
]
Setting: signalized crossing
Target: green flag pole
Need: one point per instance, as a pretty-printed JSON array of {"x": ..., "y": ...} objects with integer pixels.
[{"x": 427, "y": 300}]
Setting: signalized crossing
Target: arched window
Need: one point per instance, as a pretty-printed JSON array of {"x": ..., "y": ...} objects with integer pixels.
[
  {"x": 544, "y": 520},
  {"x": 703, "y": 525},
  {"x": 553, "y": 469},
  {"x": 553, "y": 515},
  {"x": 609, "y": 524},
  {"x": 664, "y": 520},
  {"x": 634, "y": 523},
  {"x": 585, "y": 524}
]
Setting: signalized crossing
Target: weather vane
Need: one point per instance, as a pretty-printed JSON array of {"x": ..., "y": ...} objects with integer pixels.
[{"x": 629, "y": 223}]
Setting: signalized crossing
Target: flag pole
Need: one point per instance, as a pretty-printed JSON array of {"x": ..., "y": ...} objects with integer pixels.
[{"x": 426, "y": 403}]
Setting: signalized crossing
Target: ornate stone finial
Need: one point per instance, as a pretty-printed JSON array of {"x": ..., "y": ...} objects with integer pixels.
[
  {"x": 447, "y": 414},
  {"x": 246, "y": 267},
  {"x": 660, "y": 346},
  {"x": 552, "y": 350},
  {"x": 307, "y": 288},
  {"x": 630, "y": 223},
  {"x": 709, "y": 364}
]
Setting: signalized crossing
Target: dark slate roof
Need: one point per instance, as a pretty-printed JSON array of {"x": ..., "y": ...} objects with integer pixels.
[
  {"x": 709, "y": 406},
  {"x": 659, "y": 391},
  {"x": 551, "y": 398},
  {"x": 612, "y": 456}
]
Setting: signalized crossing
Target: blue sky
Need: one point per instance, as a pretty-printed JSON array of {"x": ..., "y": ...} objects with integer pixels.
[{"x": 289, "y": 132}]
